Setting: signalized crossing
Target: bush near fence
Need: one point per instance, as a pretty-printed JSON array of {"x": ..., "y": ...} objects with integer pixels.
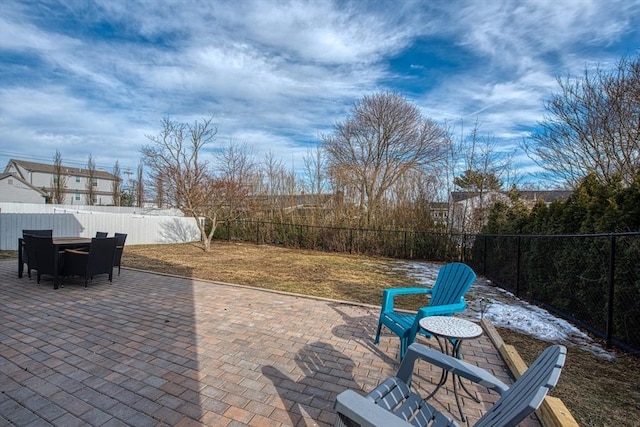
[{"x": 568, "y": 274}]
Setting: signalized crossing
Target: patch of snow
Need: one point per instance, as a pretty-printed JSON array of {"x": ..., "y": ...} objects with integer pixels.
[{"x": 504, "y": 309}]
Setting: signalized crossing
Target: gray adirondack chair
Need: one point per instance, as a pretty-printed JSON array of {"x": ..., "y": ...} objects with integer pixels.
[
  {"x": 446, "y": 299},
  {"x": 393, "y": 404}
]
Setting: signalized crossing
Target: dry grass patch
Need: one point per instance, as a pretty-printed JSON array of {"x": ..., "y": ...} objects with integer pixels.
[
  {"x": 597, "y": 392},
  {"x": 328, "y": 275}
]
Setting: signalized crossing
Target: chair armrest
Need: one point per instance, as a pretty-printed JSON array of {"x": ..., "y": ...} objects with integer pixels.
[
  {"x": 76, "y": 252},
  {"x": 440, "y": 310},
  {"x": 365, "y": 412},
  {"x": 389, "y": 294},
  {"x": 459, "y": 367},
  {"x": 436, "y": 310}
]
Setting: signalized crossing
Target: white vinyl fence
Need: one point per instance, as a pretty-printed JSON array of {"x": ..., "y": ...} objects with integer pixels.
[{"x": 76, "y": 221}]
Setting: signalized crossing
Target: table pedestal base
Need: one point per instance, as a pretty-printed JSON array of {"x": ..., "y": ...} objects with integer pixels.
[{"x": 455, "y": 352}]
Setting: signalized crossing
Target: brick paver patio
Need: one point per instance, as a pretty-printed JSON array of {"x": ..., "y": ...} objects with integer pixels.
[{"x": 153, "y": 350}]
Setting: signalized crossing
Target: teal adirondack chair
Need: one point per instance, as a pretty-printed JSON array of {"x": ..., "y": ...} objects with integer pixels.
[{"x": 446, "y": 298}]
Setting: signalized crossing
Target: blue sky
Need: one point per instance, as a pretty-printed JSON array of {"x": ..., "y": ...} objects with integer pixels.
[{"x": 95, "y": 77}]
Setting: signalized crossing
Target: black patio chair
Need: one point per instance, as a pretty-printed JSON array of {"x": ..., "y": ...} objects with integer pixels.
[
  {"x": 101, "y": 234},
  {"x": 42, "y": 256},
  {"x": 25, "y": 254},
  {"x": 98, "y": 260},
  {"x": 119, "y": 249},
  {"x": 41, "y": 233}
]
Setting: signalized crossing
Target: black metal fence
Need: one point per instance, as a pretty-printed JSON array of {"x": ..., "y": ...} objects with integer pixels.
[
  {"x": 388, "y": 243},
  {"x": 591, "y": 280}
]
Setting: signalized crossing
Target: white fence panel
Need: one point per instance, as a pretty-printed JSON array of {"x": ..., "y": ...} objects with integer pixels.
[
  {"x": 140, "y": 229},
  {"x": 12, "y": 207}
]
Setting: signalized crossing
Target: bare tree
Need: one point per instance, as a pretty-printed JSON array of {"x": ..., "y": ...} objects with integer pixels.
[
  {"x": 116, "y": 185},
  {"x": 174, "y": 155},
  {"x": 314, "y": 163},
  {"x": 413, "y": 197},
  {"x": 384, "y": 138},
  {"x": 140, "y": 186},
  {"x": 474, "y": 170},
  {"x": 59, "y": 179},
  {"x": 593, "y": 124},
  {"x": 236, "y": 179},
  {"x": 158, "y": 186},
  {"x": 92, "y": 182},
  {"x": 278, "y": 188}
]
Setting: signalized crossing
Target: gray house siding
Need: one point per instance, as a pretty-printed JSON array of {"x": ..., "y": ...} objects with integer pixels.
[{"x": 14, "y": 189}]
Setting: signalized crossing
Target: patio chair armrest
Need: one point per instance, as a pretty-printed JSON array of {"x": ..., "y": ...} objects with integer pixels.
[
  {"x": 459, "y": 367},
  {"x": 441, "y": 310},
  {"x": 389, "y": 294},
  {"x": 435, "y": 310},
  {"x": 364, "y": 411},
  {"x": 76, "y": 252}
]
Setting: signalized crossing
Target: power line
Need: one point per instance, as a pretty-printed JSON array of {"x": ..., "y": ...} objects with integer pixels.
[{"x": 49, "y": 160}]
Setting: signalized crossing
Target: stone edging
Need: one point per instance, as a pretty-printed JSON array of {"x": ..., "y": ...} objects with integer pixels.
[{"x": 552, "y": 412}]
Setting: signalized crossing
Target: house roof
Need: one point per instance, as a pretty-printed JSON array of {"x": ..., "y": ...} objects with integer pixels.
[
  {"x": 6, "y": 175},
  {"x": 439, "y": 205},
  {"x": 46, "y": 168},
  {"x": 293, "y": 199},
  {"x": 546, "y": 195}
]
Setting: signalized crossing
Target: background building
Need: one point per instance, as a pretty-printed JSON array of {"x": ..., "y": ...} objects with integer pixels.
[
  {"x": 76, "y": 181},
  {"x": 15, "y": 189}
]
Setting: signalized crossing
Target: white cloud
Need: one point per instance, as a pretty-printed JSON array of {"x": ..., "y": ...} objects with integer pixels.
[{"x": 276, "y": 73}]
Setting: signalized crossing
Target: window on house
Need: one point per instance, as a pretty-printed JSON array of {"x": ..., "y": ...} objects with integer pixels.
[
  {"x": 94, "y": 182},
  {"x": 77, "y": 179},
  {"x": 77, "y": 197}
]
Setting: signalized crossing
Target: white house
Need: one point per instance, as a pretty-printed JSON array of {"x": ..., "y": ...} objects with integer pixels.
[
  {"x": 76, "y": 180},
  {"x": 15, "y": 189}
]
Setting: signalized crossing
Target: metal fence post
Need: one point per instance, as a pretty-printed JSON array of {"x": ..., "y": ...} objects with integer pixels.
[
  {"x": 612, "y": 270},
  {"x": 518, "y": 268},
  {"x": 484, "y": 260},
  {"x": 405, "y": 244}
]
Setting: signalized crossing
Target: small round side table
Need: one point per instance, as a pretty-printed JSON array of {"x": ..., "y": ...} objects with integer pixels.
[{"x": 451, "y": 330}]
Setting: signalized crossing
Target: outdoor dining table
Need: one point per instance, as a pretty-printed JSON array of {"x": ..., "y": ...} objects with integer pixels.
[{"x": 60, "y": 243}]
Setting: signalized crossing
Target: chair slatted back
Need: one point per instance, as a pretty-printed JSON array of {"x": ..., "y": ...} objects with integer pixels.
[
  {"x": 395, "y": 396},
  {"x": 528, "y": 392},
  {"x": 119, "y": 250},
  {"x": 41, "y": 233},
  {"x": 453, "y": 281},
  {"x": 42, "y": 253}
]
